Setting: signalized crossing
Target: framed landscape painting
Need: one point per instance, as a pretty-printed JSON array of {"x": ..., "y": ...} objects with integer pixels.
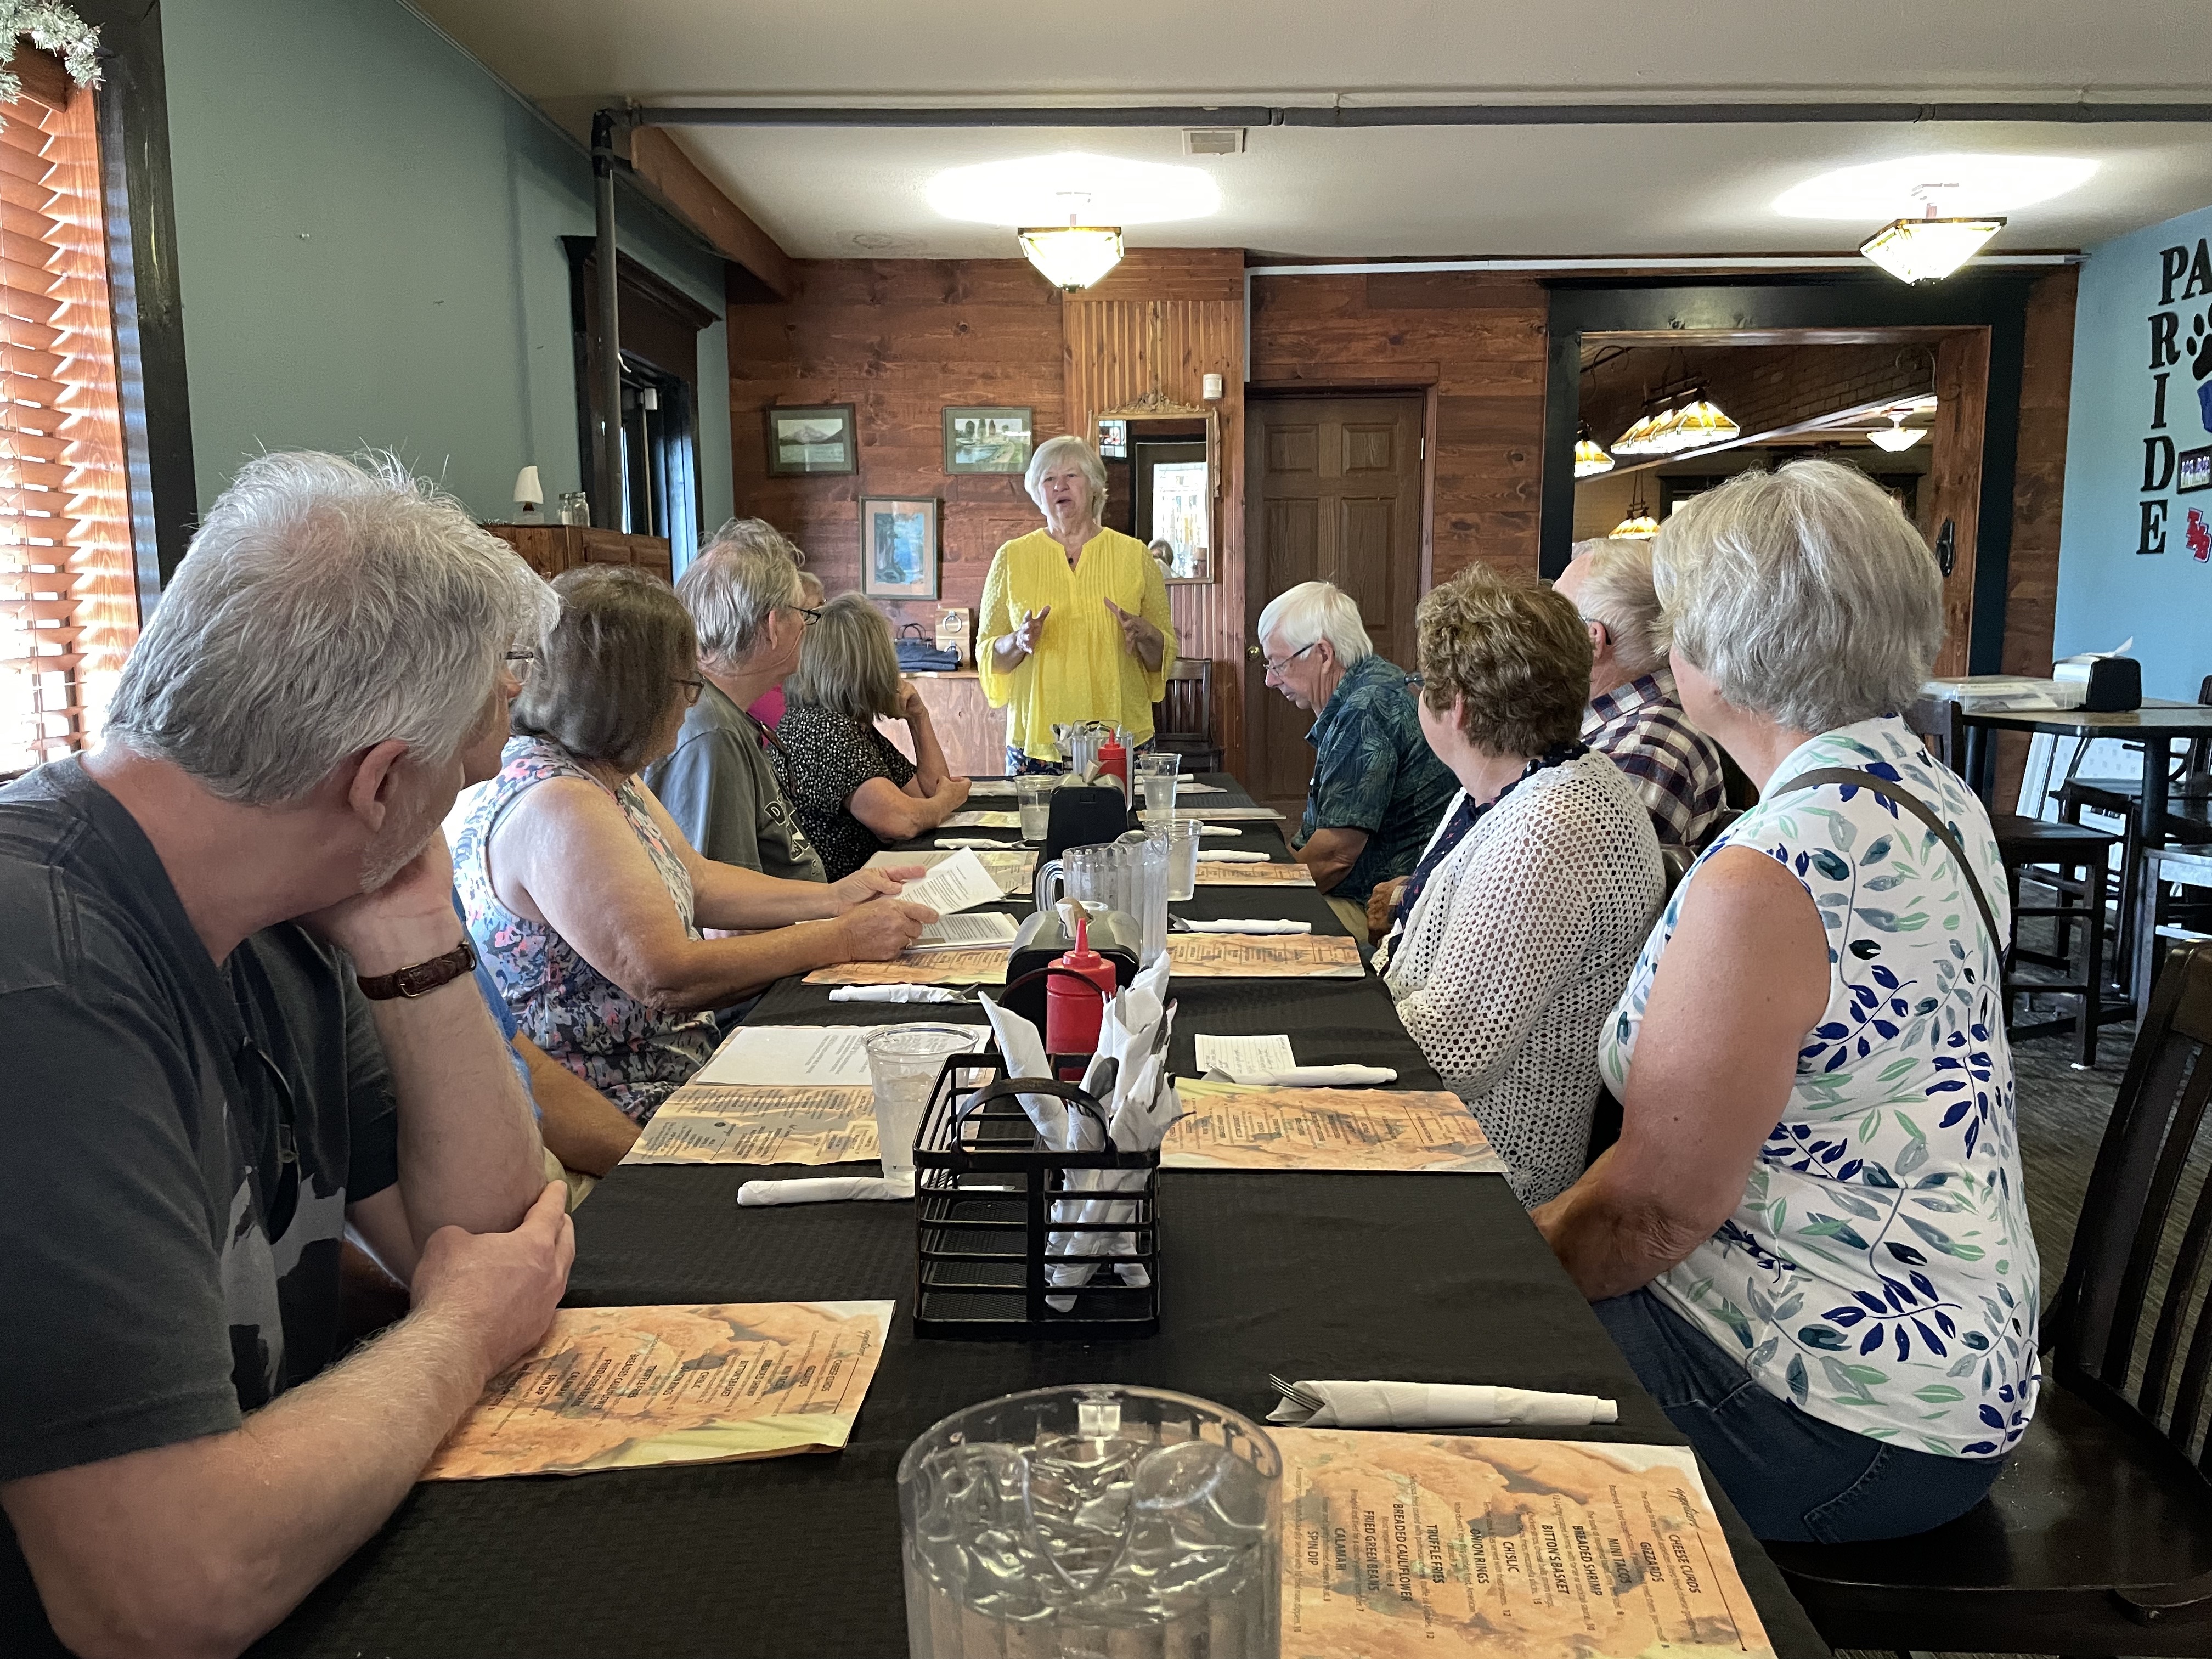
[
  {"x": 898, "y": 548},
  {"x": 815, "y": 440},
  {"x": 987, "y": 440}
]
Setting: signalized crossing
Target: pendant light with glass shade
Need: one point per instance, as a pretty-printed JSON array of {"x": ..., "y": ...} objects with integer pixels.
[
  {"x": 1896, "y": 436},
  {"x": 1638, "y": 525},
  {"x": 1590, "y": 459},
  {"x": 1073, "y": 256},
  {"x": 1927, "y": 249}
]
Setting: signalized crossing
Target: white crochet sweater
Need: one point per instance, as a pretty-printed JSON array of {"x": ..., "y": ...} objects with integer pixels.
[{"x": 1516, "y": 952}]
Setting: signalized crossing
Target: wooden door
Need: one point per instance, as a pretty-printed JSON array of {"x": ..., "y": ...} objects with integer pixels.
[{"x": 1333, "y": 487}]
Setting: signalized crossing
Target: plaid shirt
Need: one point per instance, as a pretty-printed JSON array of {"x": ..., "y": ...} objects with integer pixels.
[{"x": 1675, "y": 767}]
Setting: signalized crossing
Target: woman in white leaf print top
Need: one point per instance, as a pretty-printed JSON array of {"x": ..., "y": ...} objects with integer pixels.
[{"x": 1811, "y": 1240}]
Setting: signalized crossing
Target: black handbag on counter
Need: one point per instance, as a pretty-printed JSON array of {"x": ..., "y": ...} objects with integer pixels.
[{"x": 919, "y": 655}]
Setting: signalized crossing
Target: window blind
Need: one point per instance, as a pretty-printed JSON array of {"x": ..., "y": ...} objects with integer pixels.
[{"x": 68, "y": 610}]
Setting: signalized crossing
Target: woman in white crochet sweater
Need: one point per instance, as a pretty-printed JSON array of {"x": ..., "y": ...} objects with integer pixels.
[{"x": 1519, "y": 926}]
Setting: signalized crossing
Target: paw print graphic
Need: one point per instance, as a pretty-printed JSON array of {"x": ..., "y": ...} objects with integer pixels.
[{"x": 2200, "y": 345}]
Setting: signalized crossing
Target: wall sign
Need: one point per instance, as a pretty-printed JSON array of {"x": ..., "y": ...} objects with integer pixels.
[{"x": 2180, "y": 403}]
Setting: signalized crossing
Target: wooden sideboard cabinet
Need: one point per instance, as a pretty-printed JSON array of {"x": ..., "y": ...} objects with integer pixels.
[{"x": 550, "y": 548}]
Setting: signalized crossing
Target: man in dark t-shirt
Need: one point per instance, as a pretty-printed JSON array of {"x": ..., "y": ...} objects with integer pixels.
[{"x": 239, "y": 1026}]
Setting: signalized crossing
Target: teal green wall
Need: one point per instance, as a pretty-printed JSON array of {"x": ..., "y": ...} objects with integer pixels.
[{"x": 368, "y": 234}]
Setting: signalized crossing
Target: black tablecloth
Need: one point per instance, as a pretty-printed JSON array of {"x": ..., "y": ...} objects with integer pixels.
[{"x": 1419, "y": 1277}]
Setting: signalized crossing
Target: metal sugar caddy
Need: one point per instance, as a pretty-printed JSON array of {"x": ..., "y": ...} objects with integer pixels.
[{"x": 1014, "y": 1239}]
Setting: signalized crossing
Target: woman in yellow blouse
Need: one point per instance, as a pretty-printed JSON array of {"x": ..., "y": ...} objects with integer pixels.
[{"x": 1075, "y": 622}]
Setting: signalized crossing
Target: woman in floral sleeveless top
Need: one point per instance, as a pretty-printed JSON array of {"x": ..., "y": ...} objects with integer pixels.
[
  {"x": 586, "y": 903},
  {"x": 1811, "y": 1240}
]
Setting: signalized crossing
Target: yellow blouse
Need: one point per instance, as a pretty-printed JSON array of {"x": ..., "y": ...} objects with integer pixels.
[{"x": 1080, "y": 671}]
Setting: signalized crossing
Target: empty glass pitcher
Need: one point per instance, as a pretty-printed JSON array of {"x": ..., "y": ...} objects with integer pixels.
[
  {"x": 1129, "y": 875},
  {"x": 1093, "y": 1520}
]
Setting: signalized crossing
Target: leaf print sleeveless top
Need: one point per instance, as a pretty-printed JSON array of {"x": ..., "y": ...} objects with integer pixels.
[
  {"x": 633, "y": 1055},
  {"x": 1879, "y": 1272}
]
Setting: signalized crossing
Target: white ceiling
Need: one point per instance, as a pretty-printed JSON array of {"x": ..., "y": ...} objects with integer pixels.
[{"x": 1536, "y": 192}]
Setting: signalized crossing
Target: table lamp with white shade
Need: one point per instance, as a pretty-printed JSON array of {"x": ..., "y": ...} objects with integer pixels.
[{"x": 529, "y": 496}]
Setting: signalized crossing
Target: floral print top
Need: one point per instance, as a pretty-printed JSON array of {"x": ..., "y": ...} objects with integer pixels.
[
  {"x": 633, "y": 1055},
  {"x": 1879, "y": 1272}
]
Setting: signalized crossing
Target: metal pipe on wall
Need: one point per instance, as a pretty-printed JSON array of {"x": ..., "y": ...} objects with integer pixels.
[{"x": 606, "y": 447}]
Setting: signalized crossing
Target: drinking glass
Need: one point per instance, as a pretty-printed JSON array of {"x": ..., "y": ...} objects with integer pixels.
[
  {"x": 903, "y": 1061},
  {"x": 1092, "y": 1519},
  {"x": 1033, "y": 794},
  {"x": 1157, "y": 774},
  {"x": 1181, "y": 836}
]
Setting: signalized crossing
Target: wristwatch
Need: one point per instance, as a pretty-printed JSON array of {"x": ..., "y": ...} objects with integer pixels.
[{"x": 423, "y": 978}]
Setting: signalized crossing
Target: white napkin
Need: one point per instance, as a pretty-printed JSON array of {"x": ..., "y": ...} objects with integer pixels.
[
  {"x": 822, "y": 1189},
  {"x": 896, "y": 994},
  {"x": 981, "y": 843},
  {"x": 1221, "y": 830},
  {"x": 1229, "y": 855},
  {"x": 1318, "y": 1077},
  {"x": 1440, "y": 1406},
  {"x": 1252, "y": 925}
]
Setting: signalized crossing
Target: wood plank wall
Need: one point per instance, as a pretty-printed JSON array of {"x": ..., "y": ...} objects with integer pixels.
[{"x": 1476, "y": 345}]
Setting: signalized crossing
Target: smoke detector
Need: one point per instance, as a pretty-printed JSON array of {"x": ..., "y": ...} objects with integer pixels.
[{"x": 1213, "y": 141}]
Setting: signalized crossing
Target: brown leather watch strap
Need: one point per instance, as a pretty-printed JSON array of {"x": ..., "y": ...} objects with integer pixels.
[{"x": 423, "y": 977}]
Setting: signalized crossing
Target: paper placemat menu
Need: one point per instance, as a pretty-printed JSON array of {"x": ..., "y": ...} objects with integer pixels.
[
  {"x": 978, "y": 967},
  {"x": 1397, "y": 1544},
  {"x": 1264, "y": 955},
  {"x": 1211, "y": 874},
  {"x": 1013, "y": 868},
  {"x": 629, "y": 1388},
  {"x": 1231, "y": 1125},
  {"x": 704, "y": 1123}
]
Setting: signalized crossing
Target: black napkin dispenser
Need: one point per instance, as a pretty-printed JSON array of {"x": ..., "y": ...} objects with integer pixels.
[
  {"x": 1041, "y": 939},
  {"x": 2112, "y": 685},
  {"x": 1084, "y": 814}
]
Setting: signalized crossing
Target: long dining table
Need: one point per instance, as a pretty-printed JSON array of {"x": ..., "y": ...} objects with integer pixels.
[{"x": 1419, "y": 1277}]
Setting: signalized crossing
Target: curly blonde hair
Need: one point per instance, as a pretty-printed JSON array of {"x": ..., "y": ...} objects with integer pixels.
[{"x": 1516, "y": 655}]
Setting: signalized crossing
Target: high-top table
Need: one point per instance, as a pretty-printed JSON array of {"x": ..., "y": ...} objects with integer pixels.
[{"x": 1421, "y": 1276}]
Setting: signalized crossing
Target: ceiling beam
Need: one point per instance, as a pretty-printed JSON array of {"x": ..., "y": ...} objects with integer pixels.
[{"x": 660, "y": 164}]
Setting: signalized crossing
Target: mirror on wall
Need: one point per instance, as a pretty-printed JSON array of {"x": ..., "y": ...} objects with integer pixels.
[{"x": 1161, "y": 485}]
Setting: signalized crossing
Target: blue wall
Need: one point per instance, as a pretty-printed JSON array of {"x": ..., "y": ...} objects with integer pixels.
[
  {"x": 367, "y": 231},
  {"x": 2144, "y": 297}
]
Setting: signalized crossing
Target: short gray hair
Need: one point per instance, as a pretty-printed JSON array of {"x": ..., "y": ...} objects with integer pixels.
[
  {"x": 747, "y": 571},
  {"x": 848, "y": 662},
  {"x": 1318, "y": 610},
  {"x": 1806, "y": 595},
  {"x": 324, "y": 607},
  {"x": 1618, "y": 592},
  {"x": 1055, "y": 451}
]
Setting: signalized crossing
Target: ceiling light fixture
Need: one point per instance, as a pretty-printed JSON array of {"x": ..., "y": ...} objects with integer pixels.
[
  {"x": 1590, "y": 459},
  {"x": 1928, "y": 249},
  {"x": 1639, "y": 524},
  {"x": 1073, "y": 256},
  {"x": 1896, "y": 436}
]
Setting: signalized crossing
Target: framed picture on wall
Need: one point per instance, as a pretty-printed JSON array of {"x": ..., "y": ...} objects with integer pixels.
[
  {"x": 815, "y": 440},
  {"x": 987, "y": 440},
  {"x": 898, "y": 547}
]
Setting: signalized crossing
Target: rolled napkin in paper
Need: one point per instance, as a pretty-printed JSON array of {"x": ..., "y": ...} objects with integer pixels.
[
  {"x": 1229, "y": 855},
  {"x": 1253, "y": 924},
  {"x": 896, "y": 994},
  {"x": 824, "y": 1189},
  {"x": 1318, "y": 1077},
  {"x": 1440, "y": 1406}
]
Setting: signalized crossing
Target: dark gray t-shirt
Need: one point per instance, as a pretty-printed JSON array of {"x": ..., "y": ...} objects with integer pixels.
[
  {"x": 166, "y": 1270},
  {"x": 725, "y": 797}
]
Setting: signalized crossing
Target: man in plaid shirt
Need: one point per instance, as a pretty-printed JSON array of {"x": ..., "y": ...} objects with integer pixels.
[{"x": 1634, "y": 716}]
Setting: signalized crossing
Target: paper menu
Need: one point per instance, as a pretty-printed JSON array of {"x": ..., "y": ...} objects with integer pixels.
[
  {"x": 968, "y": 965},
  {"x": 629, "y": 1388},
  {"x": 1234, "y": 1125},
  {"x": 820, "y": 1054},
  {"x": 959, "y": 883},
  {"x": 1264, "y": 955},
  {"x": 703, "y": 1124},
  {"x": 1218, "y": 874},
  {"x": 960, "y": 933},
  {"x": 1013, "y": 868},
  {"x": 1244, "y": 1054},
  {"x": 1399, "y": 1544}
]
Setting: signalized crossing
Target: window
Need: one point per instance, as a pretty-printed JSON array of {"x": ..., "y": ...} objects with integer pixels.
[
  {"x": 69, "y": 610},
  {"x": 659, "y": 470}
]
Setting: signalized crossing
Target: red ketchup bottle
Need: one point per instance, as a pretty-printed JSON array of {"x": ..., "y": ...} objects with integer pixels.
[
  {"x": 1114, "y": 761},
  {"x": 1073, "y": 1010}
]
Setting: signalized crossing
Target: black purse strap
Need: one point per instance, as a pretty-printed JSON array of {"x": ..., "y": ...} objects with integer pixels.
[{"x": 1890, "y": 789}]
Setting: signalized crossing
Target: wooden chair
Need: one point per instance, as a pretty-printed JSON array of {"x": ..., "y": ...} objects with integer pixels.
[
  {"x": 2097, "y": 1538},
  {"x": 1183, "y": 720},
  {"x": 2073, "y": 861}
]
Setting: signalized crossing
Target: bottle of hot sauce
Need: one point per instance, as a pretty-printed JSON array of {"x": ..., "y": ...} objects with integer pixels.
[{"x": 1114, "y": 761}]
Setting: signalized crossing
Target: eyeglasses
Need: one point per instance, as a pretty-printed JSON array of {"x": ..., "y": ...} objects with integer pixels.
[
  {"x": 1276, "y": 668},
  {"x": 693, "y": 690},
  {"x": 1415, "y": 681},
  {"x": 518, "y": 663},
  {"x": 811, "y": 616}
]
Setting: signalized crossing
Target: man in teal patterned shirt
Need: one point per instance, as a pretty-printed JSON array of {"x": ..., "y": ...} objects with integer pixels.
[{"x": 1377, "y": 789}]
